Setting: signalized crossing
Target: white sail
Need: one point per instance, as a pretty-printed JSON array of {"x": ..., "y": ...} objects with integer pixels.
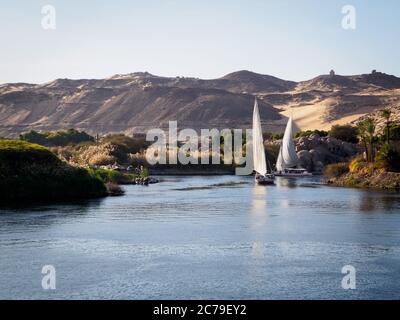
[
  {"x": 287, "y": 157},
  {"x": 260, "y": 165}
]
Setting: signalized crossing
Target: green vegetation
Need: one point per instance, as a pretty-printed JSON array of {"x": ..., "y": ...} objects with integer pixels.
[
  {"x": 30, "y": 172},
  {"x": 366, "y": 131},
  {"x": 308, "y": 133},
  {"x": 386, "y": 113},
  {"x": 112, "y": 176},
  {"x": 109, "y": 150},
  {"x": 394, "y": 132},
  {"x": 272, "y": 136},
  {"x": 144, "y": 173},
  {"x": 127, "y": 144},
  {"x": 379, "y": 167},
  {"x": 345, "y": 133},
  {"x": 362, "y": 174},
  {"x": 277, "y": 136},
  {"x": 272, "y": 151},
  {"x": 57, "y": 138},
  {"x": 359, "y": 166},
  {"x": 388, "y": 158},
  {"x": 336, "y": 170},
  {"x": 14, "y": 150}
]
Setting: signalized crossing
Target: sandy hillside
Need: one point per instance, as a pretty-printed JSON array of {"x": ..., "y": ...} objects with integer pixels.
[{"x": 137, "y": 102}]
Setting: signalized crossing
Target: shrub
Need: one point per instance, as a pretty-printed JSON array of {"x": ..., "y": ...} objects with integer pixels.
[
  {"x": 394, "y": 131},
  {"x": 144, "y": 173},
  {"x": 272, "y": 151},
  {"x": 127, "y": 144},
  {"x": 346, "y": 133},
  {"x": 21, "y": 151},
  {"x": 100, "y": 154},
  {"x": 57, "y": 138},
  {"x": 97, "y": 155},
  {"x": 272, "y": 136},
  {"x": 32, "y": 172},
  {"x": 388, "y": 158},
  {"x": 308, "y": 133},
  {"x": 112, "y": 176},
  {"x": 336, "y": 170},
  {"x": 359, "y": 165},
  {"x": 138, "y": 159}
]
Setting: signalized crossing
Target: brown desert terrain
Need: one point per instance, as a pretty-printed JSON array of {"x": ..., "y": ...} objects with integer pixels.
[{"x": 140, "y": 101}]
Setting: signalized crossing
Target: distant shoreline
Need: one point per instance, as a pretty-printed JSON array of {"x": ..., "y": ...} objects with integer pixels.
[
  {"x": 376, "y": 180},
  {"x": 191, "y": 172}
]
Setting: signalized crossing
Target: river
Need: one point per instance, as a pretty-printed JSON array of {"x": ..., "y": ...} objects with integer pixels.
[{"x": 207, "y": 237}]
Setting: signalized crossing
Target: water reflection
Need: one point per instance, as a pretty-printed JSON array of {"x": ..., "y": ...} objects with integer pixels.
[
  {"x": 43, "y": 206},
  {"x": 258, "y": 219},
  {"x": 286, "y": 182},
  {"x": 258, "y": 249},
  {"x": 367, "y": 204},
  {"x": 390, "y": 202},
  {"x": 259, "y": 205},
  {"x": 371, "y": 202},
  {"x": 46, "y": 214}
]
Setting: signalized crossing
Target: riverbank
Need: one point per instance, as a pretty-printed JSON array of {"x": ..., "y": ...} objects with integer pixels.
[
  {"x": 360, "y": 174},
  {"x": 378, "y": 179}
]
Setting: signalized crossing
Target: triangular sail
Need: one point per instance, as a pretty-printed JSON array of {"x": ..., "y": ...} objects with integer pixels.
[
  {"x": 287, "y": 157},
  {"x": 260, "y": 165}
]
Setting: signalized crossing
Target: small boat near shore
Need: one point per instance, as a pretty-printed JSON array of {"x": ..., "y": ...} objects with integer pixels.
[{"x": 264, "y": 175}]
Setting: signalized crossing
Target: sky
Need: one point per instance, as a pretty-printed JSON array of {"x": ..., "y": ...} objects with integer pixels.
[{"x": 291, "y": 39}]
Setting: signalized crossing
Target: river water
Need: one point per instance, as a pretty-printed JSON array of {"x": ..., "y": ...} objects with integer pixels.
[{"x": 218, "y": 237}]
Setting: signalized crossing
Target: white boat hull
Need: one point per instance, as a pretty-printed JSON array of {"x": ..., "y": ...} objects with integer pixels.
[{"x": 293, "y": 173}]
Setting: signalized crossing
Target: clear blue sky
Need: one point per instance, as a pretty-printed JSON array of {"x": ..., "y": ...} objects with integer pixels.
[{"x": 291, "y": 39}]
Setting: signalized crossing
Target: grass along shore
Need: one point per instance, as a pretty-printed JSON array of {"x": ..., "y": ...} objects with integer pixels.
[
  {"x": 30, "y": 172},
  {"x": 361, "y": 174}
]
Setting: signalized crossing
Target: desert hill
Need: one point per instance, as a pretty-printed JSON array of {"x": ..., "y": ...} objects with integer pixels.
[
  {"x": 332, "y": 99},
  {"x": 140, "y": 101}
]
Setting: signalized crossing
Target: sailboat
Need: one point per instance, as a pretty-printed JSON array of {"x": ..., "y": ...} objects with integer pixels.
[
  {"x": 288, "y": 162},
  {"x": 259, "y": 161}
]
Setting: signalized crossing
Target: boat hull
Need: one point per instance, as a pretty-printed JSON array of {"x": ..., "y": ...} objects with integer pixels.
[
  {"x": 294, "y": 175},
  {"x": 265, "y": 180}
]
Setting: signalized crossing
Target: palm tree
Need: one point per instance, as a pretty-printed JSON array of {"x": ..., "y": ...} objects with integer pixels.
[
  {"x": 366, "y": 131},
  {"x": 361, "y": 128},
  {"x": 370, "y": 129},
  {"x": 386, "y": 113}
]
